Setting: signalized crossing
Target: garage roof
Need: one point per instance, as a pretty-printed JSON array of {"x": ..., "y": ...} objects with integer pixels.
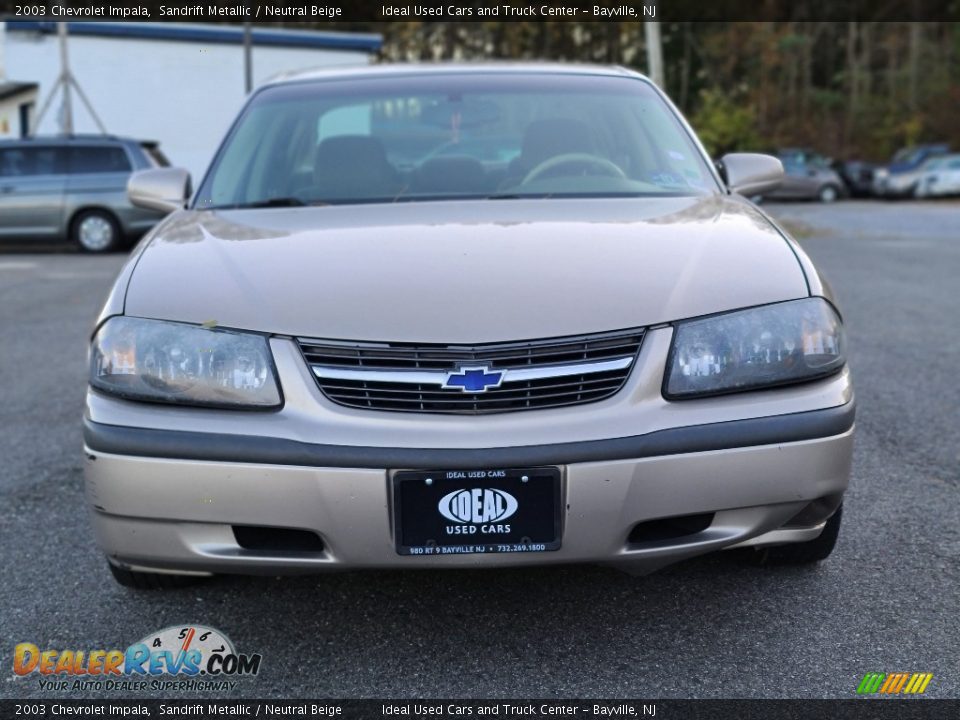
[{"x": 11, "y": 89}]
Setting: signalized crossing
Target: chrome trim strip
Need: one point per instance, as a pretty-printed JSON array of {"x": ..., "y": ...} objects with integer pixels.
[
  {"x": 439, "y": 377},
  {"x": 410, "y": 377},
  {"x": 555, "y": 371},
  {"x": 538, "y": 344}
]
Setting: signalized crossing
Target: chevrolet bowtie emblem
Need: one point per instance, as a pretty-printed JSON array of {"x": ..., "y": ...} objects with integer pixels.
[{"x": 473, "y": 379}]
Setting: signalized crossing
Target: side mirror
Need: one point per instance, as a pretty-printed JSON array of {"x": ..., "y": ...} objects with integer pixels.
[
  {"x": 751, "y": 173},
  {"x": 165, "y": 189}
]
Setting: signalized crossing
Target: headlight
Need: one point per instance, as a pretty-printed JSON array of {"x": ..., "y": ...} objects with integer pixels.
[
  {"x": 185, "y": 364},
  {"x": 763, "y": 347}
]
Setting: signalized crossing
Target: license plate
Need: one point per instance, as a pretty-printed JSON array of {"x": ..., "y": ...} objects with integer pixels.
[{"x": 452, "y": 512}]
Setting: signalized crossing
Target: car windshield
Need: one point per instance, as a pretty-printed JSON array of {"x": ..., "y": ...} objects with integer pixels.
[
  {"x": 909, "y": 156},
  {"x": 454, "y": 136}
]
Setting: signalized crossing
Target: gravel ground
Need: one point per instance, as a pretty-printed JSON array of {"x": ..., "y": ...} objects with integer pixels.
[{"x": 713, "y": 627}]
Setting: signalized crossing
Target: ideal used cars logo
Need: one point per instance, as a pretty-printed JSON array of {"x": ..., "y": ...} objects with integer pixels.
[
  {"x": 483, "y": 507},
  {"x": 182, "y": 652}
]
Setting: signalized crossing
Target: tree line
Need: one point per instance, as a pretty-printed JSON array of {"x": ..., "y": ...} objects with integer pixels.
[
  {"x": 806, "y": 76},
  {"x": 850, "y": 89}
]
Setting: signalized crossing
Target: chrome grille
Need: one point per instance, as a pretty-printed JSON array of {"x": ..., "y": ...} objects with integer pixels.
[{"x": 539, "y": 374}]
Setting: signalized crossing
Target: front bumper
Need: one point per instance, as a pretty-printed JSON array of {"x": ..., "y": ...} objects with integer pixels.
[
  {"x": 895, "y": 188},
  {"x": 168, "y": 500}
]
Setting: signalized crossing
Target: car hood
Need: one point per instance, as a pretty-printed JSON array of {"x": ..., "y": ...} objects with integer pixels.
[{"x": 463, "y": 271}]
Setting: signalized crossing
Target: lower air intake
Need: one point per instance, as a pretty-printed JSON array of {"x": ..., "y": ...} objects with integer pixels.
[
  {"x": 672, "y": 528},
  {"x": 276, "y": 539}
]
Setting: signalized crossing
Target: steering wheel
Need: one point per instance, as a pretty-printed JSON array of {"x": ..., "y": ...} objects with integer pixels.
[{"x": 546, "y": 166}]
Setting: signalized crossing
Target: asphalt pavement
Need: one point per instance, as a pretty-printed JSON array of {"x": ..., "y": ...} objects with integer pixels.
[{"x": 886, "y": 601}]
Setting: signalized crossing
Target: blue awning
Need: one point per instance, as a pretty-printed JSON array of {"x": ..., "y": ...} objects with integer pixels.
[{"x": 222, "y": 34}]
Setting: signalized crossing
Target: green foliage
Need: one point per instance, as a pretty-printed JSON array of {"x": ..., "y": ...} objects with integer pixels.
[
  {"x": 846, "y": 88},
  {"x": 725, "y": 124}
]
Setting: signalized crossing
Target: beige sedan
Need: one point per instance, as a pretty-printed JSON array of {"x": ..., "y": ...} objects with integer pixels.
[{"x": 463, "y": 317}]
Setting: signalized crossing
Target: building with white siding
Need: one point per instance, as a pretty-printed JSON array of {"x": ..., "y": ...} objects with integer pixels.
[
  {"x": 17, "y": 100},
  {"x": 180, "y": 84}
]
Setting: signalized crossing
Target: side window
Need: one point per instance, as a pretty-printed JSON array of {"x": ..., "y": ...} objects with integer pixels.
[
  {"x": 792, "y": 163},
  {"x": 49, "y": 160},
  {"x": 32, "y": 161},
  {"x": 98, "y": 159},
  {"x": 155, "y": 155},
  {"x": 12, "y": 163}
]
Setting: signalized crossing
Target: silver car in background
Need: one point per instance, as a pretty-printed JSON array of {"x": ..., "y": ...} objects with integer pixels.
[
  {"x": 74, "y": 188},
  {"x": 940, "y": 177},
  {"x": 464, "y": 317},
  {"x": 807, "y": 176},
  {"x": 900, "y": 178}
]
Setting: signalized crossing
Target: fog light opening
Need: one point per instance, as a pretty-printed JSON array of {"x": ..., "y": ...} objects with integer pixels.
[
  {"x": 277, "y": 539},
  {"x": 671, "y": 528}
]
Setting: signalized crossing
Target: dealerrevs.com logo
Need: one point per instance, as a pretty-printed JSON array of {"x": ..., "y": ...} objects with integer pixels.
[
  {"x": 180, "y": 657},
  {"x": 894, "y": 683}
]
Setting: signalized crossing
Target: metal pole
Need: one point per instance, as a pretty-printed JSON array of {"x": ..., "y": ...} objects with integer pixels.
[
  {"x": 248, "y": 57},
  {"x": 3, "y": 72},
  {"x": 65, "y": 82},
  {"x": 651, "y": 34},
  {"x": 38, "y": 117},
  {"x": 83, "y": 96},
  {"x": 65, "y": 79}
]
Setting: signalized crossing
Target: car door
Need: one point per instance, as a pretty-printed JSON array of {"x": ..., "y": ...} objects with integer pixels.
[
  {"x": 32, "y": 185},
  {"x": 794, "y": 178},
  {"x": 816, "y": 173},
  {"x": 949, "y": 178}
]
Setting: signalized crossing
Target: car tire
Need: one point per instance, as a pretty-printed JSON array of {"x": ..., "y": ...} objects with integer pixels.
[
  {"x": 95, "y": 231},
  {"x": 139, "y": 580},
  {"x": 804, "y": 553},
  {"x": 828, "y": 194}
]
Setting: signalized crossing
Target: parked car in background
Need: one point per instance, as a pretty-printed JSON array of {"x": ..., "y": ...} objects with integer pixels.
[
  {"x": 807, "y": 176},
  {"x": 941, "y": 177},
  {"x": 74, "y": 188},
  {"x": 901, "y": 176},
  {"x": 857, "y": 176}
]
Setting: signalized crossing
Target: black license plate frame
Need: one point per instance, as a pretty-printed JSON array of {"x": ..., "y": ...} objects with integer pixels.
[{"x": 472, "y": 520}]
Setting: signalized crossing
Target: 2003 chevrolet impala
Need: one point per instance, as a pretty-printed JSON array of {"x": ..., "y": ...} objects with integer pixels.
[{"x": 449, "y": 317}]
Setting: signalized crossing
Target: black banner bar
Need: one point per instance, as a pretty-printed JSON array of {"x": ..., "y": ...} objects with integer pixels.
[
  {"x": 887, "y": 709},
  {"x": 354, "y": 11}
]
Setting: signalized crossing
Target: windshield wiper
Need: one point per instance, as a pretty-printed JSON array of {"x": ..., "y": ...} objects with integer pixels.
[
  {"x": 269, "y": 203},
  {"x": 519, "y": 196}
]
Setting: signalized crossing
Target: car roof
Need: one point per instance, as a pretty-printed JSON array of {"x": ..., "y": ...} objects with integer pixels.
[
  {"x": 945, "y": 147},
  {"x": 450, "y": 68},
  {"x": 69, "y": 139}
]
